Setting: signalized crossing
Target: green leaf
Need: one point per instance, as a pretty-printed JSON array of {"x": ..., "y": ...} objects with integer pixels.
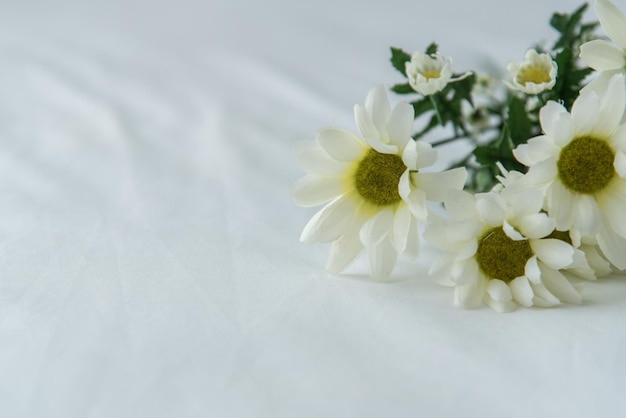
[
  {"x": 520, "y": 126},
  {"x": 567, "y": 26},
  {"x": 570, "y": 78},
  {"x": 422, "y": 106},
  {"x": 403, "y": 88},
  {"x": 398, "y": 59},
  {"x": 463, "y": 88},
  {"x": 432, "y": 49}
]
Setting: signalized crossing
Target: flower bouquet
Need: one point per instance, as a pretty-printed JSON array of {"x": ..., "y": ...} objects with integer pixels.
[{"x": 534, "y": 210}]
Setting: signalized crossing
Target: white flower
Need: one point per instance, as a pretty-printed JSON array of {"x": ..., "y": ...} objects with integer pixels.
[
  {"x": 580, "y": 164},
  {"x": 499, "y": 252},
  {"x": 600, "y": 54},
  {"x": 429, "y": 74},
  {"x": 589, "y": 263},
  {"x": 535, "y": 75},
  {"x": 476, "y": 118},
  {"x": 375, "y": 186}
]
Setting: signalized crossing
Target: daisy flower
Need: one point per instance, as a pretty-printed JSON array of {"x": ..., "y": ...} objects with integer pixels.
[
  {"x": 589, "y": 262},
  {"x": 429, "y": 74},
  {"x": 499, "y": 252},
  {"x": 535, "y": 75},
  {"x": 375, "y": 185},
  {"x": 580, "y": 165}
]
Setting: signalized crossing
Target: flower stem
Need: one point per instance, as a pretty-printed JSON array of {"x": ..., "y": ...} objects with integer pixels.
[
  {"x": 436, "y": 108},
  {"x": 448, "y": 140}
]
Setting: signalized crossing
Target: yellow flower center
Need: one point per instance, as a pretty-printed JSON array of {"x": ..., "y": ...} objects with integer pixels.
[
  {"x": 431, "y": 73},
  {"x": 533, "y": 74},
  {"x": 377, "y": 178},
  {"x": 500, "y": 257},
  {"x": 586, "y": 165}
]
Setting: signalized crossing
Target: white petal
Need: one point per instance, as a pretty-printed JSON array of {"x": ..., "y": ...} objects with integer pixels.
[
  {"x": 541, "y": 175},
  {"x": 559, "y": 203},
  {"x": 400, "y": 124},
  {"x": 436, "y": 235},
  {"x": 377, "y": 105},
  {"x": 500, "y": 297},
  {"x": 521, "y": 204},
  {"x": 460, "y": 205},
  {"x": 426, "y": 155},
  {"x": 536, "y": 226},
  {"x": 470, "y": 295},
  {"x": 521, "y": 291},
  {"x": 559, "y": 286},
  {"x": 586, "y": 214},
  {"x": 416, "y": 200},
  {"x": 556, "y": 122},
  {"x": 511, "y": 232},
  {"x": 543, "y": 298},
  {"x": 597, "y": 262},
  {"x": 613, "y": 21},
  {"x": 401, "y": 224},
  {"x": 332, "y": 221},
  {"x": 409, "y": 155},
  {"x": 581, "y": 267},
  {"x": 343, "y": 252},
  {"x": 340, "y": 144},
  {"x": 490, "y": 207},
  {"x": 470, "y": 229},
  {"x": 500, "y": 307},
  {"x": 611, "y": 107},
  {"x": 441, "y": 270},
  {"x": 365, "y": 123},
  {"x": 382, "y": 259},
  {"x": 405, "y": 185},
  {"x": 437, "y": 185},
  {"x": 313, "y": 191},
  {"x": 465, "y": 272},
  {"x": 613, "y": 246},
  {"x": 618, "y": 139},
  {"x": 585, "y": 113},
  {"x": 620, "y": 164},
  {"x": 412, "y": 241},
  {"x": 553, "y": 252},
  {"x": 536, "y": 150},
  {"x": 316, "y": 160},
  {"x": 602, "y": 55},
  {"x": 380, "y": 146},
  {"x": 600, "y": 83},
  {"x": 467, "y": 250},
  {"x": 532, "y": 271},
  {"x": 377, "y": 227},
  {"x": 499, "y": 291},
  {"x": 614, "y": 207}
]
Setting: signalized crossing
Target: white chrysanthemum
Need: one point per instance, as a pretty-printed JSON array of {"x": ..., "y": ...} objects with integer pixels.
[
  {"x": 476, "y": 118},
  {"x": 429, "y": 74},
  {"x": 602, "y": 55},
  {"x": 375, "y": 185},
  {"x": 580, "y": 164},
  {"x": 587, "y": 248},
  {"x": 533, "y": 76},
  {"x": 499, "y": 252}
]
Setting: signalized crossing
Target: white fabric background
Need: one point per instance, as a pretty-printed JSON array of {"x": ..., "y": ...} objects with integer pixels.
[{"x": 149, "y": 255}]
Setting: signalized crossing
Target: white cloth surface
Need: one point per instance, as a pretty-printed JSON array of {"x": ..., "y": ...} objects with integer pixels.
[{"x": 149, "y": 255}]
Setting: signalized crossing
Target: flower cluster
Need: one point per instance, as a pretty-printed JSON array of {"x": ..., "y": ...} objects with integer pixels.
[{"x": 531, "y": 214}]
